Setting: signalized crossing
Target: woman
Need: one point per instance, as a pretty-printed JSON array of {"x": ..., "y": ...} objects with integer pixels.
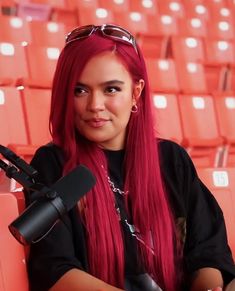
[{"x": 149, "y": 222}]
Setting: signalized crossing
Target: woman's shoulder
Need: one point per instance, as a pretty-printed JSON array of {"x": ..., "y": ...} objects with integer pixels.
[
  {"x": 48, "y": 161},
  {"x": 172, "y": 152}
]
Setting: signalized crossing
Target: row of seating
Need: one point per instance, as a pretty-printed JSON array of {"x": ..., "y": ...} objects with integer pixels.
[
  {"x": 203, "y": 124},
  {"x": 194, "y": 18},
  {"x": 34, "y": 66},
  {"x": 220, "y": 181}
]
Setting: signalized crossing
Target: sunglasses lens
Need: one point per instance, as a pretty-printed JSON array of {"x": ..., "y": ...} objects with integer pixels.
[
  {"x": 80, "y": 33},
  {"x": 118, "y": 33}
]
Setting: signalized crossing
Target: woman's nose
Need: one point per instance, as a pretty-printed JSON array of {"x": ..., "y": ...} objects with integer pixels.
[{"x": 96, "y": 102}]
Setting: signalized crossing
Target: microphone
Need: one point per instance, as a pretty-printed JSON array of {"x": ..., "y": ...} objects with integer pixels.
[{"x": 40, "y": 217}]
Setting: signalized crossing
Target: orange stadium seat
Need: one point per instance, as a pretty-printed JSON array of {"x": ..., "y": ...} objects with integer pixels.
[
  {"x": 200, "y": 131},
  {"x": 189, "y": 49},
  {"x": 162, "y": 25},
  {"x": 36, "y": 104},
  {"x": 134, "y": 21},
  {"x": 144, "y": 7},
  {"x": 162, "y": 75},
  {"x": 167, "y": 117},
  {"x": 196, "y": 9},
  {"x": 96, "y": 16},
  {"x": 12, "y": 129},
  {"x": 153, "y": 46},
  {"x": 14, "y": 29},
  {"x": 219, "y": 52},
  {"x": 41, "y": 62},
  {"x": 13, "y": 66},
  {"x": 221, "y": 182},
  {"x": 192, "y": 79},
  {"x": 225, "y": 109},
  {"x": 33, "y": 11},
  {"x": 222, "y": 29},
  {"x": 13, "y": 274},
  {"x": 193, "y": 26},
  {"x": 47, "y": 33},
  {"x": 116, "y": 6},
  {"x": 171, "y": 7}
]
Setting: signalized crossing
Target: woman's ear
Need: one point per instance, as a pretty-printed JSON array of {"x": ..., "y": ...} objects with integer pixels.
[{"x": 137, "y": 90}]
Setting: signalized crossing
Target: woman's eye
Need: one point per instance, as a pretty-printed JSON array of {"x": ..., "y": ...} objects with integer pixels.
[
  {"x": 79, "y": 91},
  {"x": 113, "y": 89}
]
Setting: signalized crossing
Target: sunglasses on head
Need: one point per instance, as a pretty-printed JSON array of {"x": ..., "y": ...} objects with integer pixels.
[{"x": 108, "y": 30}]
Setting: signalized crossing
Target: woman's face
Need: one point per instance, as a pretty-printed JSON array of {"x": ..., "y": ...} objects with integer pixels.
[{"x": 104, "y": 96}]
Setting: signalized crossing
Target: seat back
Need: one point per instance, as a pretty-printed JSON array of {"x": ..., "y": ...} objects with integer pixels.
[
  {"x": 12, "y": 129},
  {"x": 221, "y": 182},
  {"x": 13, "y": 274}
]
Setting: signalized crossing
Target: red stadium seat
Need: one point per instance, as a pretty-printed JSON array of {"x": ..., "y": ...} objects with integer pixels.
[
  {"x": 34, "y": 11},
  {"x": 41, "y": 62},
  {"x": 13, "y": 274},
  {"x": 135, "y": 22},
  {"x": 219, "y": 52},
  {"x": 12, "y": 129},
  {"x": 14, "y": 29},
  {"x": 36, "y": 104},
  {"x": 96, "y": 16},
  {"x": 221, "y": 182},
  {"x": 167, "y": 117},
  {"x": 216, "y": 78},
  {"x": 193, "y": 26},
  {"x": 192, "y": 79},
  {"x": 162, "y": 75},
  {"x": 116, "y": 6},
  {"x": 171, "y": 7},
  {"x": 200, "y": 131},
  {"x": 221, "y": 29},
  {"x": 225, "y": 109},
  {"x": 196, "y": 9},
  {"x": 190, "y": 49},
  {"x": 47, "y": 33},
  {"x": 144, "y": 7},
  {"x": 13, "y": 66},
  {"x": 162, "y": 25}
]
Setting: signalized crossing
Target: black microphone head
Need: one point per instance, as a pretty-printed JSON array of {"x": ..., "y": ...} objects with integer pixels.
[{"x": 74, "y": 185}]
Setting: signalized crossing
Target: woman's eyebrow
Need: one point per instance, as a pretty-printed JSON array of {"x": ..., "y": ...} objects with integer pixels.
[{"x": 106, "y": 83}]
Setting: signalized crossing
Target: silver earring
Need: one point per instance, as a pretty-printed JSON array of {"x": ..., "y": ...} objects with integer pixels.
[{"x": 134, "y": 109}]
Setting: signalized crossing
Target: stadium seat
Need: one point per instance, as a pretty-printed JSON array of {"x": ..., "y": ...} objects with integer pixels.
[
  {"x": 36, "y": 104},
  {"x": 116, "y": 6},
  {"x": 162, "y": 25},
  {"x": 219, "y": 52},
  {"x": 135, "y": 22},
  {"x": 171, "y": 7},
  {"x": 144, "y": 7},
  {"x": 12, "y": 129},
  {"x": 221, "y": 182},
  {"x": 191, "y": 76},
  {"x": 222, "y": 29},
  {"x": 14, "y": 30},
  {"x": 13, "y": 274},
  {"x": 33, "y": 11},
  {"x": 167, "y": 117},
  {"x": 162, "y": 75},
  {"x": 41, "y": 62},
  {"x": 225, "y": 110},
  {"x": 153, "y": 46},
  {"x": 196, "y": 9},
  {"x": 200, "y": 130},
  {"x": 193, "y": 27},
  {"x": 190, "y": 49},
  {"x": 216, "y": 78},
  {"x": 97, "y": 16},
  {"x": 47, "y": 33},
  {"x": 13, "y": 66}
]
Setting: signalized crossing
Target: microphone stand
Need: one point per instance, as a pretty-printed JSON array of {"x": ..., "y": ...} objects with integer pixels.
[{"x": 24, "y": 174}]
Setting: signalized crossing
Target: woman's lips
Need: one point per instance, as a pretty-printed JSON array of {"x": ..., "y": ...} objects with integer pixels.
[{"x": 96, "y": 122}]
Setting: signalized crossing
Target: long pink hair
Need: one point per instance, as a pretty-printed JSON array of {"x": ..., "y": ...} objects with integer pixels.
[{"x": 149, "y": 204}]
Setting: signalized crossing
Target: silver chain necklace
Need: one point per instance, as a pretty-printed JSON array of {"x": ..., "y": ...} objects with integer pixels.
[{"x": 115, "y": 189}]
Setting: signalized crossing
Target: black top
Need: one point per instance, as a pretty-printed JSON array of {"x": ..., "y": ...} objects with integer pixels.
[{"x": 194, "y": 207}]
